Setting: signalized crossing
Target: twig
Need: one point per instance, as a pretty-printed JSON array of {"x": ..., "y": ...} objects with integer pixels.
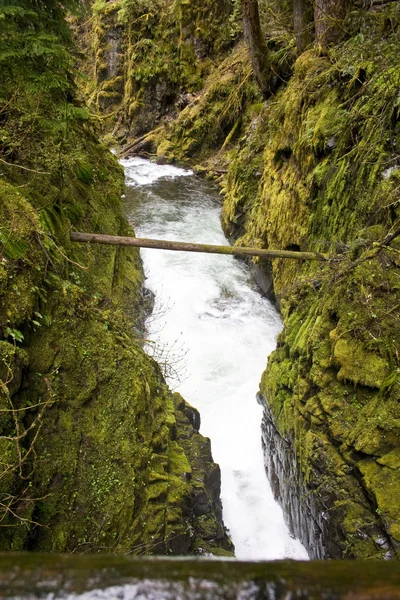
[
  {"x": 24, "y": 168},
  {"x": 66, "y": 257}
]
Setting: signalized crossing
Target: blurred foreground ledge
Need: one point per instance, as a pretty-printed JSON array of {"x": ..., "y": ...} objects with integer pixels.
[{"x": 101, "y": 577}]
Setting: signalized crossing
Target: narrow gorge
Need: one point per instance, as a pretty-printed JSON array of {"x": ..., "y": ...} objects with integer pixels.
[
  {"x": 299, "y": 147},
  {"x": 208, "y": 324}
]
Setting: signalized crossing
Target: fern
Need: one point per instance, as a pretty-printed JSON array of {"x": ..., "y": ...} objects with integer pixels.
[
  {"x": 12, "y": 247},
  {"x": 35, "y": 39},
  {"x": 51, "y": 219}
]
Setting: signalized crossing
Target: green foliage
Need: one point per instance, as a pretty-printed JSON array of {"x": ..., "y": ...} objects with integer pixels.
[
  {"x": 36, "y": 77},
  {"x": 15, "y": 334},
  {"x": 51, "y": 219},
  {"x": 12, "y": 247},
  {"x": 84, "y": 172},
  {"x": 235, "y": 20},
  {"x": 35, "y": 43}
]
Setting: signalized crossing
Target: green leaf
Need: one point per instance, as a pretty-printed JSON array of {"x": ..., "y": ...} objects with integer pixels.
[
  {"x": 15, "y": 334},
  {"x": 12, "y": 247}
]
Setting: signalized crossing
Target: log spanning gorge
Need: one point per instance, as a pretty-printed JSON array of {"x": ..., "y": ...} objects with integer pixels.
[{"x": 212, "y": 331}]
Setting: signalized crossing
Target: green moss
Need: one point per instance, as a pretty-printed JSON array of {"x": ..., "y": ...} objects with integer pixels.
[
  {"x": 141, "y": 69},
  {"x": 165, "y": 152},
  {"x": 359, "y": 366},
  {"x": 391, "y": 460},
  {"x": 214, "y": 118},
  {"x": 383, "y": 484}
]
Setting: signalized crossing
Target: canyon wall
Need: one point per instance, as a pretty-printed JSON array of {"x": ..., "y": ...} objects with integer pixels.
[
  {"x": 316, "y": 167},
  {"x": 97, "y": 454}
]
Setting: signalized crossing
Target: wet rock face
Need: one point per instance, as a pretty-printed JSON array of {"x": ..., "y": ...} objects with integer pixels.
[
  {"x": 146, "y": 54},
  {"x": 157, "y": 100},
  {"x": 114, "y": 51},
  {"x": 204, "y": 510},
  {"x": 327, "y": 504},
  {"x": 331, "y": 399},
  {"x": 263, "y": 278},
  {"x": 118, "y": 463},
  {"x": 109, "y": 65},
  {"x": 304, "y": 514}
]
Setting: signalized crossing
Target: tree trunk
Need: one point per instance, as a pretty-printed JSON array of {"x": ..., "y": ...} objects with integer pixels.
[
  {"x": 328, "y": 17},
  {"x": 256, "y": 45},
  {"x": 303, "y": 21},
  {"x": 116, "y": 240}
]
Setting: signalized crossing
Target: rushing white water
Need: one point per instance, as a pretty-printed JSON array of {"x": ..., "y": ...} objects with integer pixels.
[{"x": 210, "y": 316}]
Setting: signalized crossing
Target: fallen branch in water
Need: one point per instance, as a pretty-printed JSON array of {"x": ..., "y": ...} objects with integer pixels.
[
  {"x": 138, "y": 144},
  {"x": 116, "y": 240}
]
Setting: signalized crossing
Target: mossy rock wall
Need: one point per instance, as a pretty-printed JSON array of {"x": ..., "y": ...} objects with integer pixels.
[
  {"x": 97, "y": 454},
  {"x": 149, "y": 57},
  {"x": 316, "y": 167},
  {"x": 332, "y": 387}
]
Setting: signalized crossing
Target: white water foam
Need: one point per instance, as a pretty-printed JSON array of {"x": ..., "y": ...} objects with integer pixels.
[
  {"x": 146, "y": 172},
  {"x": 227, "y": 330}
]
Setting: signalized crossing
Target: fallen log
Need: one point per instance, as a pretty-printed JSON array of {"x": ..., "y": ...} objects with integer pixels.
[
  {"x": 116, "y": 240},
  {"x": 135, "y": 145},
  {"x": 34, "y": 575},
  {"x": 123, "y": 151}
]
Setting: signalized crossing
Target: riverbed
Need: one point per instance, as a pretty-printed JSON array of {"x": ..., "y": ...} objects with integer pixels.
[{"x": 212, "y": 331}]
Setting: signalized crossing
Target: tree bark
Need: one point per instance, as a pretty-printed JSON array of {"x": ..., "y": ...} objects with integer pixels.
[
  {"x": 303, "y": 21},
  {"x": 256, "y": 44},
  {"x": 328, "y": 17},
  {"x": 116, "y": 240}
]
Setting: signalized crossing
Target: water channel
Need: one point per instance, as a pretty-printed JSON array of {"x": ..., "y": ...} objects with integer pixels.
[{"x": 213, "y": 331}]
